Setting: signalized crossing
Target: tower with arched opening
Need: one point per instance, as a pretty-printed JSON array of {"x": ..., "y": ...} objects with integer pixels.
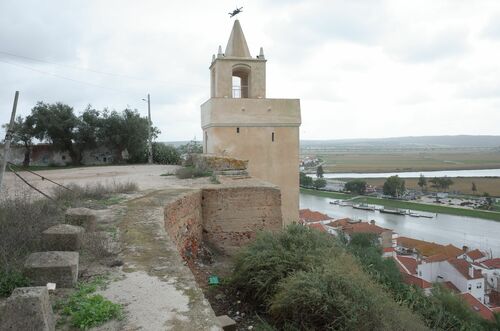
[{"x": 239, "y": 121}]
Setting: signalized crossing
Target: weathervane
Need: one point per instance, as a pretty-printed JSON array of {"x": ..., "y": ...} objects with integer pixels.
[{"x": 235, "y": 12}]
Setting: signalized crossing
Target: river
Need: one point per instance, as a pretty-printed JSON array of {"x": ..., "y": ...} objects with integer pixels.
[
  {"x": 443, "y": 229},
  {"x": 414, "y": 174}
]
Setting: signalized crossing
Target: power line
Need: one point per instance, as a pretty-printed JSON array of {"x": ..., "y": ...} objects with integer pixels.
[
  {"x": 97, "y": 71},
  {"x": 63, "y": 77}
]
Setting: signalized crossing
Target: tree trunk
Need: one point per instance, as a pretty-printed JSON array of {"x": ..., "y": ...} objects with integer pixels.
[{"x": 27, "y": 154}]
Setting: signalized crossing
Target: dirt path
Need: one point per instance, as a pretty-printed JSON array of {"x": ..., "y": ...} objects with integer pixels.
[{"x": 157, "y": 290}]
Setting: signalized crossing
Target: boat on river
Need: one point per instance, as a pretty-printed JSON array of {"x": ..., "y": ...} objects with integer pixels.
[
  {"x": 394, "y": 211},
  {"x": 364, "y": 206}
]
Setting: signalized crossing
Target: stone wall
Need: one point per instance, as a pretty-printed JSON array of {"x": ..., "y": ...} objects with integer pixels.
[
  {"x": 233, "y": 215},
  {"x": 224, "y": 216},
  {"x": 183, "y": 222}
]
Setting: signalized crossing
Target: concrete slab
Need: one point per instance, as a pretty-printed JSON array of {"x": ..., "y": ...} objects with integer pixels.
[
  {"x": 226, "y": 323},
  {"x": 52, "y": 267},
  {"x": 83, "y": 217},
  {"x": 28, "y": 308},
  {"x": 63, "y": 237}
]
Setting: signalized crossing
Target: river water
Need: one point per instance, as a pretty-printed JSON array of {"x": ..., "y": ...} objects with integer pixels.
[
  {"x": 443, "y": 229},
  {"x": 413, "y": 174}
]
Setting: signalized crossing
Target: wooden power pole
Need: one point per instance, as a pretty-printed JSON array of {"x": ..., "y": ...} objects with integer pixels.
[
  {"x": 8, "y": 138},
  {"x": 150, "y": 142}
]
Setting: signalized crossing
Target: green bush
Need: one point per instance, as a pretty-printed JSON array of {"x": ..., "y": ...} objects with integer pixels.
[
  {"x": 273, "y": 256},
  {"x": 87, "y": 310},
  {"x": 165, "y": 154},
  {"x": 305, "y": 280},
  {"x": 9, "y": 280}
]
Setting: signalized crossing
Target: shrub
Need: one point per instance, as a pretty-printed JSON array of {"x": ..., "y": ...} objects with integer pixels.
[
  {"x": 306, "y": 280},
  {"x": 93, "y": 192},
  {"x": 9, "y": 280},
  {"x": 273, "y": 256},
  {"x": 165, "y": 154}
]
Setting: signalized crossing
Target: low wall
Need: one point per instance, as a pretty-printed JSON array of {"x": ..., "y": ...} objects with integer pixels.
[
  {"x": 183, "y": 222},
  {"x": 232, "y": 216}
]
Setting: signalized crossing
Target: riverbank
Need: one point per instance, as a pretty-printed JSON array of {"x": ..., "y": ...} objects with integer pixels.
[{"x": 494, "y": 216}]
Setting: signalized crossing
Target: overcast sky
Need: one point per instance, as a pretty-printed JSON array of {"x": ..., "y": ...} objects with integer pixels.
[{"x": 362, "y": 69}]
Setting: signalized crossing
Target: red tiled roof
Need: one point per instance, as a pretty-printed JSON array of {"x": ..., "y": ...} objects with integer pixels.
[
  {"x": 388, "y": 249},
  {"x": 409, "y": 263},
  {"x": 475, "y": 254},
  {"x": 462, "y": 266},
  {"x": 492, "y": 263},
  {"x": 414, "y": 280},
  {"x": 449, "y": 285},
  {"x": 317, "y": 226},
  {"x": 429, "y": 248},
  {"x": 436, "y": 258},
  {"x": 308, "y": 215},
  {"x": 477, "y": 306},
  {"x": 364, "y": 227},
  {"x": 340, "y": 222}
]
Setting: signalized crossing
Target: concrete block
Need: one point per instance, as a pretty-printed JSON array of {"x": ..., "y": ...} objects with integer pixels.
[
  {"x": 52, "y": 267},
  {"x": 226, "y": 323},
  {"x": 83, "y": 217},
  {"x": 63, "y": 237},
  {"x": 28, "y": 308}
]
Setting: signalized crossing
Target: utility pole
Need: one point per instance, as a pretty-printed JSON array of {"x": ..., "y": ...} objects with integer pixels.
[
  {"x": 8, "y": 138},
  {"x": 150, "y": 142}
]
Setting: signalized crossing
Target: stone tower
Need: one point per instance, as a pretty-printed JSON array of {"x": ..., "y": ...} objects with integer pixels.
[{"x": 239, "y": 121}]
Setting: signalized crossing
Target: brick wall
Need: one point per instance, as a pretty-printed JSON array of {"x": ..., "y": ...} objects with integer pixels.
[
  {"x": 233, "y": 215},
  {"x": 183, "y": 222}
]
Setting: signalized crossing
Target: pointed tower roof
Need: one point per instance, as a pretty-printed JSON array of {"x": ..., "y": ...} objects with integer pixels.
[{"x": 237, "y": 44}]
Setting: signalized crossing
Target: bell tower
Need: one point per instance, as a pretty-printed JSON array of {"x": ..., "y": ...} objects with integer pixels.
[{"x": 239, "y": 121}]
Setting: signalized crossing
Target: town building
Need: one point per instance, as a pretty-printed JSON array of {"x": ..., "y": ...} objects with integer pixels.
[{"x": 240, "y": 121}]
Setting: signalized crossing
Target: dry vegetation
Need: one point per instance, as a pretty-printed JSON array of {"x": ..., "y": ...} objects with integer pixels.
[{"x": 387, "y": 161}]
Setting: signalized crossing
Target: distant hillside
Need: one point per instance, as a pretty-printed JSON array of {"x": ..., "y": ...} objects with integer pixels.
[{"x": 429, "y": 141}]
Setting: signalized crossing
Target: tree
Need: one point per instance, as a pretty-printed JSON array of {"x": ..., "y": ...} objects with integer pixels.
[
  {"x": 319, "y": 183},
  {"x": 126, "y": 130},
  {"x": 23, "y": 134},
  {"x": 192, "y": 147},
  {"x": 474, "y": 188},
  {"x": 357, "y": 186},
  {"x": 165, "y": 154},
  {"x": 441, "y": 183},
  {"x": 394, "y": 186},
  {"x": 422, "y": 182},
  {"x": 319, "y": 171},
  {"x": 305, "y": 180},
  {"x": 56, "y": 123}
]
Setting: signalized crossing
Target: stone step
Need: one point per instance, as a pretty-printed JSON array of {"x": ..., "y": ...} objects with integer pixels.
[
  {"x": 28, "y": 308},
  {"x": 63, "y": 237},
  {"x": 83, "y": 217},
  {"x": 52, "y": 267}
]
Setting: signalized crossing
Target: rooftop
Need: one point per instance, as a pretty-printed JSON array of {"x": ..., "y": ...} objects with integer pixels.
[
  {"x": 463, "y": 267},
  {"x": 414, "y": 280},
  {"x": 492, "y": 263},
  {"x": 475, "y": 254},
  {"x": 477, "y": 306},
  {"x": 449, "y": 285},
  {"x": 317, "y": 226},
  {"x": 308, "y": 215},
  {"x": 409, "y": 264},
  {"x": 429, "y": 248},
  {"x": 364, "y": 227}
]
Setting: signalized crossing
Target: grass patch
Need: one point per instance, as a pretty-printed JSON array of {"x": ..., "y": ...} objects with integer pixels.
[
  {"x": 85, "y": 309},
  {"x": 192, "y": 172},
  {"x": 9, "y": 280},
  {"x": 494, "y": 216}
]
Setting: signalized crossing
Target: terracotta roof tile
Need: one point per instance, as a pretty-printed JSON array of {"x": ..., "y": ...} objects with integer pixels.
[
  {"x": 492, "y": 263},
  {"x": 364, "y": 227},
  {"x": 449, "y": 285},
  {"x": 429, "y": 248},
  {"x": 462, "y": 266},
  {"x": 307, "y": 215},
  {"x": 409, "y": 263},
  {"x": 414, "y": 280},
  {"x": 475, "y": 254},
  {"x": 477, "y": 306}
]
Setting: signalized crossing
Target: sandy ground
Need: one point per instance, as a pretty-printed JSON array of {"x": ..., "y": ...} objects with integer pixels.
[{"x": 145, "y": 176}]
